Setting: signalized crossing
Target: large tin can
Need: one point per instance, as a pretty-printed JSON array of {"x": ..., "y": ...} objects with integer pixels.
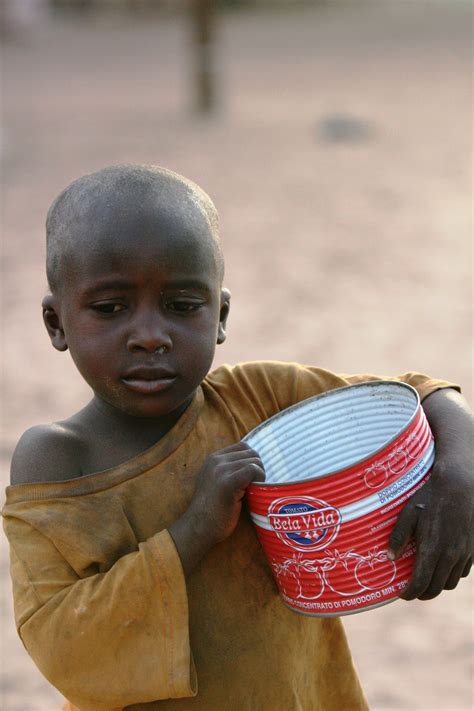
[{"x": 339, "y": 468}]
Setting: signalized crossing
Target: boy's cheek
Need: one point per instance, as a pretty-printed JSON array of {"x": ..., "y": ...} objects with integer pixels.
[{"x": 94, "y": 362}]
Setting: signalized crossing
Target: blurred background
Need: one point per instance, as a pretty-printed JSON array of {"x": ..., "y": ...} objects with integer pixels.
[{"x": 334, "y": 138}]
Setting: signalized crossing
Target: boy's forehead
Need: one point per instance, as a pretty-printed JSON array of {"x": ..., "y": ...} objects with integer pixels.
[
  {"x": 174, "y": 235},
  {"x": 118, "y": 216}
]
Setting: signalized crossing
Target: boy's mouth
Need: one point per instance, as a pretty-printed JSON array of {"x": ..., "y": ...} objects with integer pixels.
[{"x": 149, "y": 380}]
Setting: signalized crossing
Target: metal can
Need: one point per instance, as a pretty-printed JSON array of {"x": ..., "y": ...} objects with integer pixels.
[{"x": 339, "y": 468}]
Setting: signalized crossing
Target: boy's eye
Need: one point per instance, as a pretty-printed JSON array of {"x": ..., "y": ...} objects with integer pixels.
[
  {"x": 107, "y": 307},
  {"x": 183, "y": 306}
]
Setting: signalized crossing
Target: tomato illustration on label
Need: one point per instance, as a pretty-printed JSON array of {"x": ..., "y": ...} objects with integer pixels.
[
  {"x": 375, "y": 570},
  {"x": 376, "y": 475},
  {"x": 299, "y": 578},
  {"x": 287, "y": 577},
  {"x": 312, "y": 583},
  {"x": 339, "y": 572},
  {"x": 349, "y": 573},
  {"x": 397, "y": 461},
  {"x": 413, "y": 446}
]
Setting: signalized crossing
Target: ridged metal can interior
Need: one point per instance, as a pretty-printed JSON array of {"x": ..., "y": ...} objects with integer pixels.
[{"x": 332, "y": 431}]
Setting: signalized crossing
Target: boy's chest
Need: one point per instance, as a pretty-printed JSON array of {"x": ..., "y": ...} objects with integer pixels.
[
  {"x": 166, "y": 491},
  {"x": 108, "y": 448},
  {"x": 149, "y": 501},
  {"x": 138, "y": 499}
]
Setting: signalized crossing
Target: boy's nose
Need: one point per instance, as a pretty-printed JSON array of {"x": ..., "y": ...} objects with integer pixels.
[{"x": 149, "y": 336}]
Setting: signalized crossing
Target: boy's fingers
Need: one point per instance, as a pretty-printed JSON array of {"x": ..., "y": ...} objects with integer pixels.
[
  {"x": 403, "y": 530},
  {"x": 242, "y": 477},
  {"x": 235, "y": 447},
  {"x": 257, "y": 471},
  {"x": 425, "y": 565},
  {"x": 439, "y": 579},
  {"x": 456, "y": 574},
  {"x": 239, "y": 450},
  {"x": 239, "y": 457},
  {"x": 228, "y": 467},
  {"x": 467, "y": 568}
]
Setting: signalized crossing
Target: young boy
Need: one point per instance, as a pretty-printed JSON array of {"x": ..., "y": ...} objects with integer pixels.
[{"x": 137, "y": 573}]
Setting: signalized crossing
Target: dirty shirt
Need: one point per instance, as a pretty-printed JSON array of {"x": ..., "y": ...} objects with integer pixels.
[{"x": 101, "y": 602}]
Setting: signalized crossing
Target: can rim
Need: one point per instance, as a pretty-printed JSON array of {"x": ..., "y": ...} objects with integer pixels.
[{"x": 320, "y": 396}]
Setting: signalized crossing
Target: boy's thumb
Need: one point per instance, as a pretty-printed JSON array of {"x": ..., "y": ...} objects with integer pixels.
[{"x": 402, "y": 532}]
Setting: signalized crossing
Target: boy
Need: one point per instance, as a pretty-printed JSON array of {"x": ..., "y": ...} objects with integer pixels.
[{"x": 136, "y": 571}]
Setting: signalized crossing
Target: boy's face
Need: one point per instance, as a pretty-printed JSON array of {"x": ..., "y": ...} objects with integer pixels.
[{"x": 141, "y": 309}]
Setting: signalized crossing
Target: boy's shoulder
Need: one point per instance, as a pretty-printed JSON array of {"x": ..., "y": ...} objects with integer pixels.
[{"x": 47, "y": 452}]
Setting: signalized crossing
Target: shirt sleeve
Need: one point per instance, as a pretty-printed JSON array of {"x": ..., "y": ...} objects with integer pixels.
[
  {"x": 255, "y": 391},
  {"x": 423, "y": 384},
  {"x": 110, "y": 639}
]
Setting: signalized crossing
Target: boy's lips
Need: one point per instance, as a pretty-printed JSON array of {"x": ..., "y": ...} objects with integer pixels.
[{"x": 148, "y": 380}]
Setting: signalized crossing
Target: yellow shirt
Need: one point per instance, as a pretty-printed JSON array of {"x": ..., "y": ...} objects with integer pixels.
[{"x": 101, "y": 603}]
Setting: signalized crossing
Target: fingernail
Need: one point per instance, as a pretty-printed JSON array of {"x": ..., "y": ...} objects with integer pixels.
[{"x": 390, "y": 554}]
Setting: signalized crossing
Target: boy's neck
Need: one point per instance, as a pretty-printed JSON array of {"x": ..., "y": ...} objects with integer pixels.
[
  {"x": 112, "y": 437},
  {"x": 100, "y": 413}
]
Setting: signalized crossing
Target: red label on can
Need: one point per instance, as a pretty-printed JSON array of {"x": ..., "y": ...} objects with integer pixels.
[{"x": 326, "y": 536}]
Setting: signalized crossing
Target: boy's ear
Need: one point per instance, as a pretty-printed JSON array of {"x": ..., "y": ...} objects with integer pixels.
[
  {"x": 224, "y": 312},
  {"x": 52, "y": 321}
]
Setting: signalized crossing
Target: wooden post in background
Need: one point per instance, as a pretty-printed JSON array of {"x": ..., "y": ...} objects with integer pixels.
[{"x": 203, "y": 15}]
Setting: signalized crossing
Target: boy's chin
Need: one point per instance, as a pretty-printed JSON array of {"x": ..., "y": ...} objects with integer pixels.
[{"x": 149, "y": 407}]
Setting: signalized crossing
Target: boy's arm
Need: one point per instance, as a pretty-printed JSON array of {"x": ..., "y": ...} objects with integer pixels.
[
  {"x": 120, "y": 637},
  {"x": 109, "y": 639},
  {"x": 440, "y": 515},
  {"x": 104, "y": 639}
]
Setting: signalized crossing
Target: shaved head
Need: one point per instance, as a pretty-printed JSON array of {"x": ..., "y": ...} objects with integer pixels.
[{"x": 101, "y": 207}]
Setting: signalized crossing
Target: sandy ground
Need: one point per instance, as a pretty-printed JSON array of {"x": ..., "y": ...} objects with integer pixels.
[{"x": 339, "y": 160}]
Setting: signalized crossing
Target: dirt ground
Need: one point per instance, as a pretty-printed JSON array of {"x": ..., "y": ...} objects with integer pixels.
[{"x": 339, "y": 159}]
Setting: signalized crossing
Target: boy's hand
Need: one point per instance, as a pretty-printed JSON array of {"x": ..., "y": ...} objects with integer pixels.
[
  {"x": 440, "y": 516},
  {"x": 220, "y": 488},
  {"x": 215, "y": 509}
]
